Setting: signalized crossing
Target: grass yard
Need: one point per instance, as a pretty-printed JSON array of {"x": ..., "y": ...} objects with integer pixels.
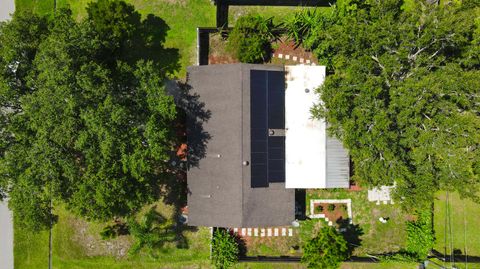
[
  {"x": 77, "y": 244},
  {"x": 375, "y": 237},
  {"x": 462, "y": 211},
  {"x": 182, "y": 16},
  {"x": 274, "y": 246}
]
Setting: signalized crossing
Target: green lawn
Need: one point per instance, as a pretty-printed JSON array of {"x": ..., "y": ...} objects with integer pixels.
[
  {"x": 465, "y": 220},
  {"x": 376, "y": 237},
  {"x": 72, "y": 238}
]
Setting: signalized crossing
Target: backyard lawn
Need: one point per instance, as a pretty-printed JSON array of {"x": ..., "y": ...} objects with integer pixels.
[
  {"x": 465, "y": 222},
  {"x": 373, "y": 236},
  {"x": 77, "y": 244}
]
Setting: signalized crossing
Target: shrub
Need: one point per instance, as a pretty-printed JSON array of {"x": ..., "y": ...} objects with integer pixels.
[
  {"x": 326, "y": 250},
  {"x": 331, "y": 207},
  {"x": 319, "y": 209},
  {"x": 251, "y": 38},
  {"x": 420, "y": 237},
  {"x": 225, "y": 249}
]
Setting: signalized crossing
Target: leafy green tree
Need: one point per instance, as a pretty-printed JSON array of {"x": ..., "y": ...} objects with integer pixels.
[
  {"x": 402, "y": 92},
  {"x": 251, "y": 39},
  {"x": 420, "y": 236},
  {"x": 79, "y": 125},
  {"x": 325, "y": 250},
  {"x": 225, "y": 249}
]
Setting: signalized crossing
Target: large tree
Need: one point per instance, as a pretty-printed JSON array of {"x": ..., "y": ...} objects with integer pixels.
[
  {"x": 85, "y": 116},
  {"x": 325, "y": 250},
  {"x": 402, "y": 91}
]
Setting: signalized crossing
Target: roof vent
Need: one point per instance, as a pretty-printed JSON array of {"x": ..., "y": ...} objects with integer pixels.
[
  {"x": 307, "y": 90},
  {"x": 246, "y": 163}
]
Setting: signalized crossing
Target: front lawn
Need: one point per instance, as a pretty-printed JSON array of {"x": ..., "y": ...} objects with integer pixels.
[{"x": 77, "y": 244}]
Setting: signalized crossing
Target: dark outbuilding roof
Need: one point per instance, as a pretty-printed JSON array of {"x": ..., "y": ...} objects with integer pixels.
[{"x": 243, "y": 103}]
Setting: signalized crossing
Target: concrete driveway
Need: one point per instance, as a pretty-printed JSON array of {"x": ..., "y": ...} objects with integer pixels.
[{"x": 6, "y": 222}]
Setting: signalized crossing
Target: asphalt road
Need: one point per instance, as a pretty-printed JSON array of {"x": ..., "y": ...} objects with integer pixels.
[{"x": 6, "y": 222}]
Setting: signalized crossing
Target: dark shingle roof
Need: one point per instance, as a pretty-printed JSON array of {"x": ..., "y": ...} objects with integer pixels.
[{"x": 220, "y": 192}]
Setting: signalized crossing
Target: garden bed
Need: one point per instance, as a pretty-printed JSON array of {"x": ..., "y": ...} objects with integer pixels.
[{"x": 334, "y": 212}]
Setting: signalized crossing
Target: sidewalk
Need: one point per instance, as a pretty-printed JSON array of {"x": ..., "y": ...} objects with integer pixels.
[{"x": 6, "y": 221}]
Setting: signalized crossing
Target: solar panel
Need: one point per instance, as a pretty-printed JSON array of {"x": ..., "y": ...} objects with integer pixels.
[
  {"x": 259, "y": 130},
  {"x": 267, "y": 111}
]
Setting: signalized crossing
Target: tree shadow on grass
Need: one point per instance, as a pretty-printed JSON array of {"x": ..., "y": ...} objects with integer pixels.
[
  {"x": 125, "y": 36},
  {"x": 351, "y": 232},
  {"x": 149, "y": 42}
]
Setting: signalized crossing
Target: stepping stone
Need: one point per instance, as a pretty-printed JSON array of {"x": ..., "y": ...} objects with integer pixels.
[
  {"x": 287, "y": 57},
  {"x": 284, "y": 232},
  {"x": 262, "y": 232},
  {"x": 302, "y": 60},
  {"x": 280, "y": 56},
  {"x": 249, "y": 231},
  {"x": 330, "y": 223},
  {"x": 294, "y": 58},
  {"x": 255, "y": 232},
  {"x": 290, "y": 232},
  {"x": 244, "y": 232},
  {"x": 308, "y": 61},
  {"x": 275, "y": 232},
  {"x": 235, "y": 230},
  {"x": 269, "y": 232}
]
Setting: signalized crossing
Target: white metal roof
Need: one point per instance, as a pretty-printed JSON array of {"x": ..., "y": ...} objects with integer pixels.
[{"x": 306, "y": 139}]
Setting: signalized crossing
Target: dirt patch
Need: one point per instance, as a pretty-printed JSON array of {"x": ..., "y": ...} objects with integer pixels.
[
  {"x": 218, "y": 53},
  {"x": 93, "y": 245},
  {"x": 288, "y": 47}
]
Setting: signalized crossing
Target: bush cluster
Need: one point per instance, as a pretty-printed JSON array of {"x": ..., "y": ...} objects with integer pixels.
[{"x": 251, "y": 39}]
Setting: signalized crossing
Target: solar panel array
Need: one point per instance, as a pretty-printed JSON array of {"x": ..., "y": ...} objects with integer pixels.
[{"x": 267, "y": 111}]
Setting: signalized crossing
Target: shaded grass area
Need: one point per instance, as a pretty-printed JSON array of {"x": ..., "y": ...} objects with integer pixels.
[
  {"x": 465, "y": 223},
  {"x": 73, "y": 249},
  {"x": 374, "y": 237}
]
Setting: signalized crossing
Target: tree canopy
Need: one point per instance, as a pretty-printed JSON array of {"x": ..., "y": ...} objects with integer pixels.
[
  {"x": 402, "y": 91},
  {"x": 225, "y": 249},
  {"x": 85, "y": 118},
  {"x": 325, "y": 250}
]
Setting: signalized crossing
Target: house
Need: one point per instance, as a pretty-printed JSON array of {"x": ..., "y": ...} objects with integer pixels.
[{"x": 262, "y": 144}]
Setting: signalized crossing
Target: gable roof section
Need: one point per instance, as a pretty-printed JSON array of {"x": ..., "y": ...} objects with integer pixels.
[{"x": 220, "y": 191}]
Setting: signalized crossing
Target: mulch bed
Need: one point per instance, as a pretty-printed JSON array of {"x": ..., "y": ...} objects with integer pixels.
[
  {"x": 288, "y": 47},
  {"x": 337, "y": 214}
]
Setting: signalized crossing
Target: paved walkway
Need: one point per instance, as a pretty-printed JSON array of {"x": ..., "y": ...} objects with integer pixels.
[{"x": 6, "y": 224}]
